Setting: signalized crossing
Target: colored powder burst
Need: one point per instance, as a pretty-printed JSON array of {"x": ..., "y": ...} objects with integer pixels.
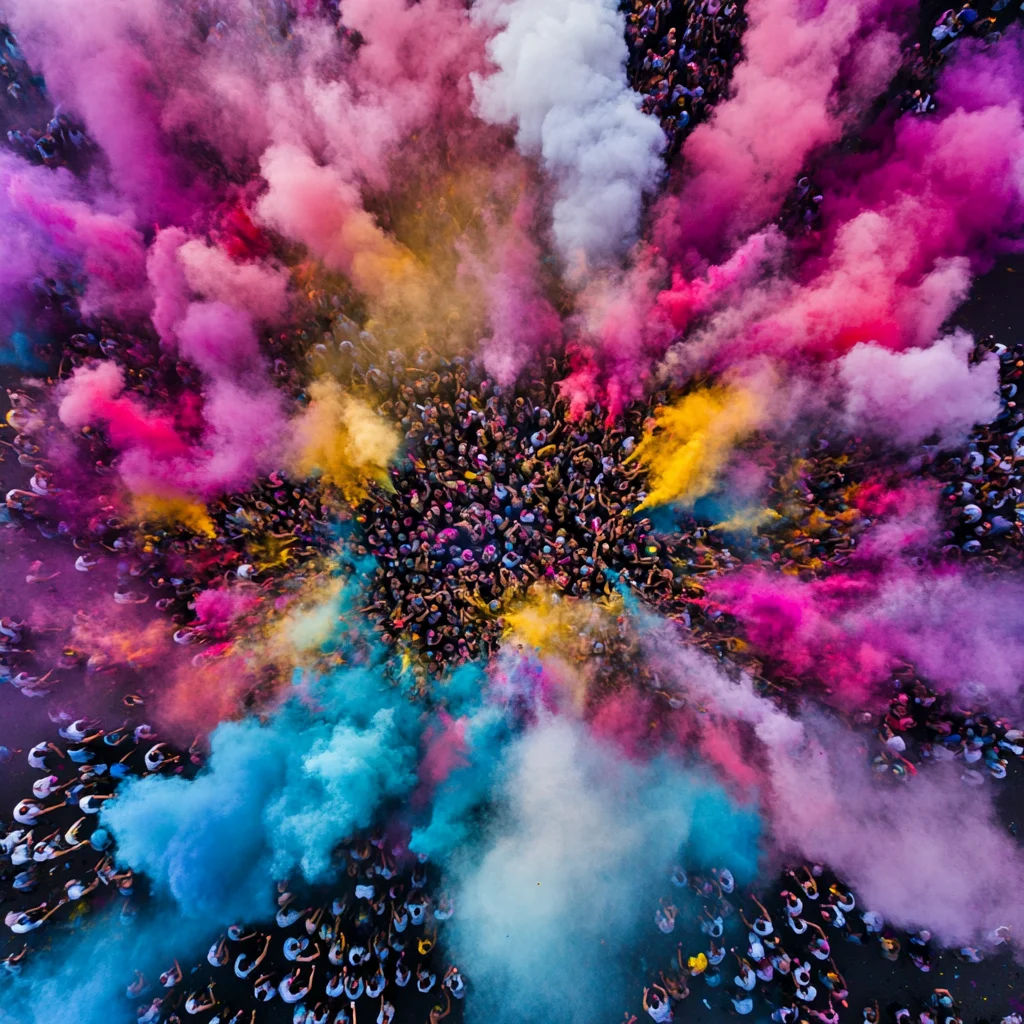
[
  {"x": 176, "y": 511},
  {"x": 339, "y": 437},
  {"x": 692, "y": 441}
]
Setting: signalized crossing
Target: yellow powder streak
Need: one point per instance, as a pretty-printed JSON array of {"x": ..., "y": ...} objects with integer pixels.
[
  {"x": 692, "y": 441},
  {"x": 344, "y": 439},
  {"x": 174, "y": 511}
]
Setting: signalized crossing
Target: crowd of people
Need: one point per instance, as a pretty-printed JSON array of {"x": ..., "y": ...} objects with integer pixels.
[
  {"x": 58, "y": 862},
  {"x": 779, "y": 957},
  {"x": 370, "y": 943},
  {"x": 497, "y": 493},
  {"x": 497, "y": 488},
  {"x": 36, "y": 131},
  {"x": 913, "y": 90},
  {"x": 982, "y": 489},
  {"x": 681, "y": 56},
  {"x": 260, "y": 544},
  {"x": 374, "y": 935},
  {"x": 967, "y": 21},
  {"x": 921, "y": 727}
]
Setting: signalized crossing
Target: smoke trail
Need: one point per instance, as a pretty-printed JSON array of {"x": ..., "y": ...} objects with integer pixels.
[
  {"x": 820, "y": 801},
  {"x": 693, "y": 441},
  {"x": 585, "y": 837},
  {"x": 114, "y": 65},
  {"x": 52, "y": 222},
  {"x": 561, "y": 80},
  {"x": 827, "y": 806},
  {"x": 957, "y": 627},
  {"x": 786, "y": 99},
  {"x": 896, "y": 261},
  {"x": 920, "y": 392},
  {"x": 276, "y": 798}
]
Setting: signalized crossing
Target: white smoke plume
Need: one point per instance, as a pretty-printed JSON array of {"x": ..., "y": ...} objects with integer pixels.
[{"x": 561, "y": 79}]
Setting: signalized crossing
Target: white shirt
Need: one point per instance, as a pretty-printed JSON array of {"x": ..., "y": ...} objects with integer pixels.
[
  {"x": 241, "y": 970},
  {"x": 76, "y": 730},
  {"x": 23, "y": 923},
  {"x": 873, "y": 921},
  {"x": 284, "y": 990},
  {"x": 25, "y": 812},
  {"x": 37, "y": 755},
  {"x": 661, "y": 1012},
  {"x": 43, "y": 787},
  {"x": 11, "y": 840}
]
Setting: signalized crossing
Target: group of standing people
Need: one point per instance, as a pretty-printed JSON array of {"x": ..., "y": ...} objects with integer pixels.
[
  {"x": 681, "y": 56},
  {"x": 57, "y": 859},
  {"x": 781, "y": 957},
  {"x": 369, "y": 947}
]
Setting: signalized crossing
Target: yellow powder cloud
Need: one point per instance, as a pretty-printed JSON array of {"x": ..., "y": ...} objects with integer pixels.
[
  {"x": 342, "y": 438},
  {"x": 748, "y": 520},
  {"x": 692, "y": 442},
  {"x": 551, "y": 623},
  {"x": 174, "y": 511}
]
